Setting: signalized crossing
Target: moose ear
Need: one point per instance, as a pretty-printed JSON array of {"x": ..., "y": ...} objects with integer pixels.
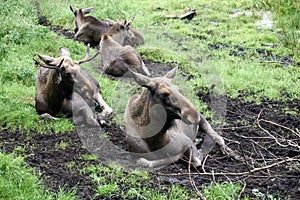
[
  {"x": 73, "y": 9},
  {"x": 48, "y": 60},
  {"x": 140, "y": 79},
  {"x": 64, "y": 52},
  {"x": 87, "y": 10},
  {"x": 129, "y": 23},
  {"x": 172, "y": 73}
]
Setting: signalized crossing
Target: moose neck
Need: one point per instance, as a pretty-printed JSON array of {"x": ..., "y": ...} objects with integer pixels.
[
  {"x": 108, "y": 41},
  {"x": 80, "y": 18},
  {"x": 151, "y": 117},
  {"x": 116, "y": 35},
  {"x": 53, "y": 93}
]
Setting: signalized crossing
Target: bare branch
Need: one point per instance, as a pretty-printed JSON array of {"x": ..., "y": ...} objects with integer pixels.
[
  {"x": 237, "y": 173},
  {"x": 199, "y": 194},
  {"x": 284, "y": 127}
]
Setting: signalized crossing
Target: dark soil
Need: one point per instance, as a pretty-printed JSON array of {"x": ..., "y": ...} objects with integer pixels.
[{"x": 262, "y": 135}]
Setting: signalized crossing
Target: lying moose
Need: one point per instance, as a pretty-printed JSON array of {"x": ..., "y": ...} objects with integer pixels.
[
  {"x": 89, "y": 29},
  {"x": 162, "y": 125},
  {"x": 117, "y": 59},
  {"x": 63, "y": 87}
]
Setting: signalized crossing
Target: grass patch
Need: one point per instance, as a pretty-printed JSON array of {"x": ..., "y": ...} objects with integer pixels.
[
  {"x": 287, "y": 16},
  {"x": 18, "y": 181},
  {"x": 131, "y": 185},
  {"x": 222, "y": 191}
]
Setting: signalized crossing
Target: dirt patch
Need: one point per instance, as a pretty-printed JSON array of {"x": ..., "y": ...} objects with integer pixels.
[
  {"x": 261, "y": 134},
  {"x": 265, "y": 56}
]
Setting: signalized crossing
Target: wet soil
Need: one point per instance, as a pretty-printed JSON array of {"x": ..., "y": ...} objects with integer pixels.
[{"x": 265, "y": 136}]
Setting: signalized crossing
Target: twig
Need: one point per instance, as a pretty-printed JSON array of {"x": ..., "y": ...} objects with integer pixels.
[
  {"x": 242, "y": 191},
  {"x": 203, "y": 164},
  {"x": 234, "y": 128},
  {"x": 264, "y": 162},
  {"x": 237, "y": 173},
  {"x": 243, "y": 154},
  {"x": 199, "y": 194},
  {"x": 264, "y": 148},
  {"x": 173, "y": 162},
  {"x": 246, "y": 137},
  {"x": 279, "y": 125},
  {"x": 220, "y": 189},
  {"x": 258, "y": 123}
]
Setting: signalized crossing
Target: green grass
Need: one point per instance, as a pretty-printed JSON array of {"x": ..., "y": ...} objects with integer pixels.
[
  {"x": 222, "y": 191},
  {"x": 18, "y": 181},
  {"x": 167, "y": 40},
  {"x": 114, "y": 181}
]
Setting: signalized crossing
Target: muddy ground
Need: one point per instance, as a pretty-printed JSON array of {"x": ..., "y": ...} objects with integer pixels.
[{"x": 265, "y": 136}]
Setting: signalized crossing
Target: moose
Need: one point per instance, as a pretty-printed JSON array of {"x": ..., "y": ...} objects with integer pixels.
[
  {"x": 62, "y": 87},
  {"x": 117, "y": 59},
  {"x": 136, "y": 38},
  {"x": 162, "y": 124},
  {"x": 89, "y": 29}
]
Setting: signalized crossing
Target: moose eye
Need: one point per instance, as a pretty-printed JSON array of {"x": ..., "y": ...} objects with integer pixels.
[{"x": 63, "y": 69}]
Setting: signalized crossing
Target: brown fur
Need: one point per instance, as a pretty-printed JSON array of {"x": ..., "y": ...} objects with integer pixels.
[
  {"x": 161, "y": 124},
  {"x": 89, "y": 29},
  {"x": 117, "y": 59},
  {"x": 65, "y": 88}
]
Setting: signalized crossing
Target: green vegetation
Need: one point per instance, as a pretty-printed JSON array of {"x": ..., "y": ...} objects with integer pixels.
[
  {"x": 138, "y": 184},
  {"x": 287, "y": 16},
  {"x": 211, "y": 37},
  {"x": 222, "y": 191},
  {"x": 18, "y": 181},
  {"x": 214, "y": 48}
]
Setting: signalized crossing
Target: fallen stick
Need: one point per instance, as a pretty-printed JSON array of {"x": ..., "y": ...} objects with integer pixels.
[{"x": 231, "y": 173}]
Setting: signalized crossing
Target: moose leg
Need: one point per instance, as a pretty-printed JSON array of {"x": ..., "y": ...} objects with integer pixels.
[
  {"x": 197, "y": 157},
  {"x": 79, "y": 35},
  {"x": 80, "y": 109},
  {"x": 159, "y": 162},
  {"x": 42, "y": 108},
  {"x": 117, "y": 68},
  {"x": 106, "y": 110},
  {"x": 211, "y": 138}
]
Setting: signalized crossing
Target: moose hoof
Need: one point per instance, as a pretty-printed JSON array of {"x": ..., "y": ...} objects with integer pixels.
[
  {"x": 102, "y": 122},
  {"x": 229, "y": 152},
  {"x": 143, "y": 162},
  {"x": 197, "y": 141},
  {"x": 197, "y": 162},
  {"x": 47, "y": 116}
]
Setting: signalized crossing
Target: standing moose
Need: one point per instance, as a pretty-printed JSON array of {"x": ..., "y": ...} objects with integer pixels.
[
  {"x": 162, "y": 124},
  {"x": 63, "y": 87}
]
